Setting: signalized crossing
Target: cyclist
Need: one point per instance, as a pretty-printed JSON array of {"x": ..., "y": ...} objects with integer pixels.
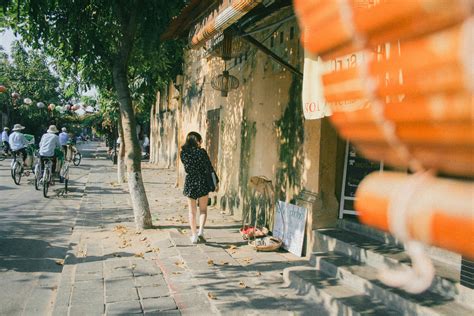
[
  {"x": 70, "y": 151},
  {"x": 18, "y": 142},
  {"x": 49, "y": 142},
  {"x": 6, "y": 145},
  {"x": 63, "y": 139}
]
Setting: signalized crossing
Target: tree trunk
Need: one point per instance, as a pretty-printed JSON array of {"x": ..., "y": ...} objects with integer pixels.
[
  {"x": 153, "y": 139},
  {"x": 121, "y": 167},
  {"x": 141, "y": 208}
]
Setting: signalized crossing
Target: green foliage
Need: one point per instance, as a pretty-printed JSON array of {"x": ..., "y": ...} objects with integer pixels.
[
  {"x": 291, "y": 133},
  {"x": 29, "y": 75},
  {"x": 86, "y": 37}
]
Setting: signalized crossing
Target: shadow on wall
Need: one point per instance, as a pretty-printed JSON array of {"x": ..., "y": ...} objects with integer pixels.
[{"x": 290, "y": 130}]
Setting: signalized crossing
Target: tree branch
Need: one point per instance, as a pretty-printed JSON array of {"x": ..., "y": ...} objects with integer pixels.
[{"x": 129, "y": 30}]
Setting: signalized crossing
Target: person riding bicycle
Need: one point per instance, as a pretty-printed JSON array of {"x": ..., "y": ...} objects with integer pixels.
[
  {"x": 18, "y": 142},
  {"x": 49, "y": 142},
  {"x": 63, "y": 140},
  {"x": 6, "y": 144}
]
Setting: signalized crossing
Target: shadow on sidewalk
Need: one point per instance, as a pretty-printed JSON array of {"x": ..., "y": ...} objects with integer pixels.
[
  {"x": 186, "y": 226},
  {"x": 23, "y": 255},
  {"x": 72, "y": 259}
]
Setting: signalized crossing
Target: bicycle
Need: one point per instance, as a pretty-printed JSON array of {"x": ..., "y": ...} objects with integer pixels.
[
  {"x": 64, "y": 173},
  {"x": 3, "y": 153},
  {"x": 77, "y": 158},
  {"x": 16, "y": 168},
  {"x": 37, "y": 171},
  {"x": 47, "y": 175}
]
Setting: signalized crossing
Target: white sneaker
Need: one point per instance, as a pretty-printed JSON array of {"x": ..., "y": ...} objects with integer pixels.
[{"x": 194, "y": 239}]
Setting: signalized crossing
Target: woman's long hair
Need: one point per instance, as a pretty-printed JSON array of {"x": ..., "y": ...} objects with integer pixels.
[{"x": 192, "y": 140}]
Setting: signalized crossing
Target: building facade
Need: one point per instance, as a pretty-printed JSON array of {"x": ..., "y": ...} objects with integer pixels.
[{"x": 258, "y": 129}]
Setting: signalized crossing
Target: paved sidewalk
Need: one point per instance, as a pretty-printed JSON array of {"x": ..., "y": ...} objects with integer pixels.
[{"x": 110, "y": 268}]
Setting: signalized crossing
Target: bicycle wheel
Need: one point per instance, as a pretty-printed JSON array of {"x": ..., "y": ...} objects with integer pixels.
[
  {"x": 77, "y": 159},
  {"x": 16, "y": 173},
  {"x": 65, "y": 175},
  {"x": 46, "y": 178},
  {"x": 37, "y": 172}
]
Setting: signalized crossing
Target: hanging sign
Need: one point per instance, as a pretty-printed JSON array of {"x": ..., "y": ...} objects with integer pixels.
[
  {"x": 314, "y": 105},
  {"x": 314, "y": 102},
  {"x": 290, "y": 223}
]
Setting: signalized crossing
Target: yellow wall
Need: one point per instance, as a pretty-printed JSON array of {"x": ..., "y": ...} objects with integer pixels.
[{"x": 256, "y": 108}]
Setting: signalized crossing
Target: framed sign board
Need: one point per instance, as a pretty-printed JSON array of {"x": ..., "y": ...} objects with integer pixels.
[
  {"x": 355, "y": 169},
  {"x": 290, "y": 224}
]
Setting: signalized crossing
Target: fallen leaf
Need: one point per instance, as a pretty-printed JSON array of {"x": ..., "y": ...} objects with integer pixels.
[
  {"x": 231, "y": 247},
  {"x": 242, "y": 285},
  {"x": 125, "y": 244},
  {"x": 258, "y": 274},
  {"x": 211, "y": 296},
  {"x": 60, "y": 262},
  {"x": 117, "y": 255},
  {"x": 139, "y": 254},
  {"x": 133, "y": 266},
  {"x": 120, "y": 229},
  {"x": 143, "y": 239},
  {"x": 176, "y": 272},
  {"x": 156, "y": 249},
  {"x": 138, "y": 233},
  {"x": 224, "y": 263},
  {"x": 179, "y": 264},
  {"x": 148, "y": 250},
  {"x": 210, "y": 262},
  {"x": 247, "y": 260}
]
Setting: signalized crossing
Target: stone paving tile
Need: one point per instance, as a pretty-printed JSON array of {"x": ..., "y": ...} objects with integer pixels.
[
  {"x": 124, "y": 308},
  {"x": 198, "y": 311},
  {"x": 174, "y": 312},
  {"x": 197, "y": 279},
  {"x": 86, "y": 309},
  {"x": 159, "y": 304},
  {"x": 150, "y": 280},
  {"x": 153, "y": 291},
  {"x": 192, "y": 299}
]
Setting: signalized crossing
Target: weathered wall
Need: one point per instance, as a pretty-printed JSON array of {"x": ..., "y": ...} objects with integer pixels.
[
  {"x": 262, "y": 130},
  {"x": 164, "y": 128}
]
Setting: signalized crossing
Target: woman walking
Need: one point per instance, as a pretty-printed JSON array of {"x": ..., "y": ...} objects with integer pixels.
[{"x": 196, "y": 185}]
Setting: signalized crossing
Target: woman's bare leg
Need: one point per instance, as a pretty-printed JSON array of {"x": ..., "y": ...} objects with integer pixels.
[
  {"x": 202, "y": 213},
  {"x": 192, "y": 215}
]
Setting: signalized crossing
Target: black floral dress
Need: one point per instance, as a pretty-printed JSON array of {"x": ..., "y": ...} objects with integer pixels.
[{"x": 197, "y": 166}]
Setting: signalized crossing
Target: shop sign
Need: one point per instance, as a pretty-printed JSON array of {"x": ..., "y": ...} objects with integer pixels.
[
  {"x": 290, "y": 223},
  {"x": 314, "y": 103}
]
